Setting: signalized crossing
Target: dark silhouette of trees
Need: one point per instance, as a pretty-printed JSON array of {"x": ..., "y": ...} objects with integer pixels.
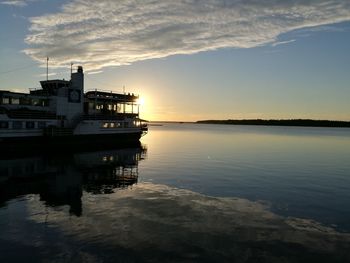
[{"x": 288, "y": 122}]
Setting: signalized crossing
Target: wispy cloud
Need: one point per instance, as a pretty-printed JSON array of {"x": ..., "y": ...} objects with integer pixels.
[
  {"x": 110, "y": 33},
  {"x": 14, "y": 2},
  {"x": 95, "y": 72},
  {"x": 282, "y": 42},
  {"x": 326, "y": 28},
  {"x": 49, "y": 75},
  {"x": 19, "y": 3}
]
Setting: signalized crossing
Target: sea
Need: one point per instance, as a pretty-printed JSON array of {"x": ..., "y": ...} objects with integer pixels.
[{"x": 187, "y": 193}]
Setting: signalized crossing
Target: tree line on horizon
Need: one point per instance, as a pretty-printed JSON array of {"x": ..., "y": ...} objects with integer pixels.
[{"x": 283, "y": 122}]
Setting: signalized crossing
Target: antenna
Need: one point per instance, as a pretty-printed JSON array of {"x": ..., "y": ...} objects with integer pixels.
[
  {"x": 47, "y": 68},
  {"x": 124, "y": 89},
  {"x": 71, "y": 68}
]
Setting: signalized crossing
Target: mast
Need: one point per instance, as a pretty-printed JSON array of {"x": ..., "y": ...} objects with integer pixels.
[{"x": 47, "y": 68}]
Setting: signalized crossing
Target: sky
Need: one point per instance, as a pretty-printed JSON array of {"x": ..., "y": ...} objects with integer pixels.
[{"x": 188, "y": 59}]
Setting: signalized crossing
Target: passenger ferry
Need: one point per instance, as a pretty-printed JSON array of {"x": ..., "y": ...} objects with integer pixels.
[{"x": 60, "y": 111}]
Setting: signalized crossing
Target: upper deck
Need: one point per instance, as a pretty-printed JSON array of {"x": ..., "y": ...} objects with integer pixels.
[
  {"x": 110, "y": 103},
  {"x": 111, "y": 96}
]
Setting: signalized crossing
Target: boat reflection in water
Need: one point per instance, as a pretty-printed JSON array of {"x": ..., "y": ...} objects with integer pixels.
[{"x": 61, "y": 179}]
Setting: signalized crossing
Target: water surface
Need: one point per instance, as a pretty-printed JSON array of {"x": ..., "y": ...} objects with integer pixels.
[
  {"x": 189, "y": 192},
  {"x": 303, "y": 172}
]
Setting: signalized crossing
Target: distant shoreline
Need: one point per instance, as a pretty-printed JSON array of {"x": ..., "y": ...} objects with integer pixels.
[{"x": 291, "y": 122}]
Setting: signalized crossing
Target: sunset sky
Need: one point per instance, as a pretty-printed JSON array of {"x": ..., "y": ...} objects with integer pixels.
[{"x": 189, "y": 59}]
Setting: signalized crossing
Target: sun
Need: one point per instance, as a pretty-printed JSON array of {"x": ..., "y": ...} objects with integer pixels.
[
  {"x": 141, "y": 101},
  {"x": 145, "y": 107}
]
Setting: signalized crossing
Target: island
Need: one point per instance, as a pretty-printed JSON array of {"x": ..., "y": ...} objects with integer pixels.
[{"x": 283, "y": 122}]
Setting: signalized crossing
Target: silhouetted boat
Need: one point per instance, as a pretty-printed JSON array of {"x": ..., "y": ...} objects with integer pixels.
[{"x": 61, "y": 112}]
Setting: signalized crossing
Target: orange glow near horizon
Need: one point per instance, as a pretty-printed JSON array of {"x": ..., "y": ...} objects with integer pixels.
[{"x": 162, "y": 106}]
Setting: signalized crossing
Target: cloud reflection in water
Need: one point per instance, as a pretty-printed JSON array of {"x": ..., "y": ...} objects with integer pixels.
[{"x": 157, "y": 222}]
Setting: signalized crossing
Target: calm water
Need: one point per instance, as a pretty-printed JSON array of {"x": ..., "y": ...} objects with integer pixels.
[{"x": 188, "y": 193}]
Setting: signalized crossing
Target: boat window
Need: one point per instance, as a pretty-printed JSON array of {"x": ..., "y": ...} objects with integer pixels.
[
  {"x": 126, "y": 124},
  {"x": 25, "y": 101},
  {"x": 15, "y": 101},
  {"x": 45, "y": 102},
  {"x": 36, "y": 102},
  {"x": 41, "y": 124},
  {"x": 4, "y": 124},
  {"x": 120, "y": 108},
  {"x": 114, "y": 125},
  {"x": 62, "y": 85},
  {"x": 17, "y": 125},
  {"x": 5, "y": 100},
  {"x": 30, "y": 124},
  {"x": 128, "y": 108}
]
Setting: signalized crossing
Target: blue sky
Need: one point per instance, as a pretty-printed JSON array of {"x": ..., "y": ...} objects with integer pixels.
[{"x": 189, "y": 60}]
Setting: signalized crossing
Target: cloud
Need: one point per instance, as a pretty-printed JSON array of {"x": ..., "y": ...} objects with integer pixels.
[
  {"x": 19, "y": 3},
  {"x": 106, "y": 33},
  {"x": 14, "y": 2},
  {"x": 95, "y": 72},
  {"x": 49, "y": 75},
  {"x": 282, "y": 42}
]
